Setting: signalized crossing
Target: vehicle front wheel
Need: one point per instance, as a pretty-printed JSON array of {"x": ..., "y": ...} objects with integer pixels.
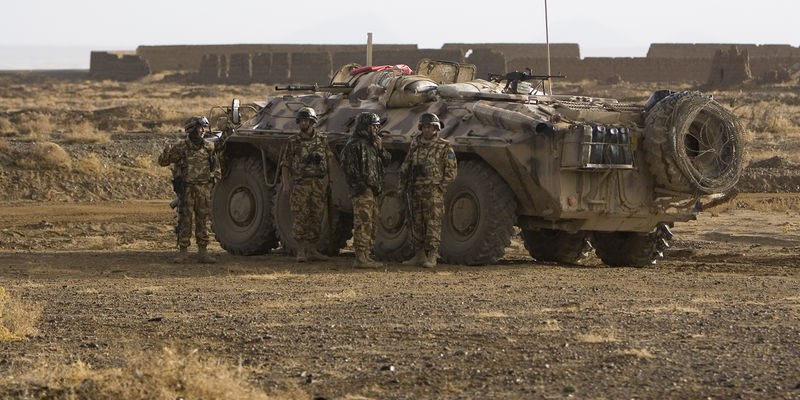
[{"x": 241, "y": 208}]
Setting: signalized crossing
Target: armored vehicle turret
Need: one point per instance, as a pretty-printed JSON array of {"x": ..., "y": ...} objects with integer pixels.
[{"x": 572, "y": 172}]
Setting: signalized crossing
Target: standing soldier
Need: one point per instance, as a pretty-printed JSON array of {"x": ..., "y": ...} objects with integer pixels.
[
  {"x": 306, "y": 159},
  {"x": 363, "y": 161},
  {"x": 429, "y": 167},
  {"x": 196, "y": 163}
]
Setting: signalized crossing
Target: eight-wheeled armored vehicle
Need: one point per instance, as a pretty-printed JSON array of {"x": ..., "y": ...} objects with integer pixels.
[{"x": 573, "y": 173}]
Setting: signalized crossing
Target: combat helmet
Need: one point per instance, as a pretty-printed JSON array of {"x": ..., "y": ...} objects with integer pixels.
[
  {"x": 306, "y": 112},
  {"x": 193, "y": 122},
  {"x": 366, "y": 119},
  {"x": 430, "y": 118}
]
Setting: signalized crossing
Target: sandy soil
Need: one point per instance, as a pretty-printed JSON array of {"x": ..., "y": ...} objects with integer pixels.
[{"x": 718, "y": 318}]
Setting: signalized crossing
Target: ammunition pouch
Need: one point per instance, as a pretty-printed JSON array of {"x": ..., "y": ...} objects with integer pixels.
[
  {"x": 313, "y": 158},
  {"x": 419, "y": 171}
]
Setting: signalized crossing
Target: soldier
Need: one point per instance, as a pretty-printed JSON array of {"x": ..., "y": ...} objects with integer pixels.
[
  {"x": 363, "y": 161},
  {"x": 306, "y": 158},
  {"x": 429, "y": 167},
  {"x": 196, "y": 161}
]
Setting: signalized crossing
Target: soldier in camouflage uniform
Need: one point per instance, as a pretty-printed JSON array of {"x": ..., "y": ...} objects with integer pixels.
[
  {"x": 429, "y": 167},
  {"x": 363, "y": 161},
  {"x": 306, "y": 159},
  {"x": 196, "y": 160}
]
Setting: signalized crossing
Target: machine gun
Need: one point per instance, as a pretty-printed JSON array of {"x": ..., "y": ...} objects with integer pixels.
[
  {"x": 514, "y": 81},
  {"x": 336, "y": 87}
]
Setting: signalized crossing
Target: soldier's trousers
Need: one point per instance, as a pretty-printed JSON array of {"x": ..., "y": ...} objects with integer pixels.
[
  {"x": 365, "y": 220},
  {"x": 195, "y": 206},
  {"x": 427, "y": 208},
  {"x": 308, "y": 206}
]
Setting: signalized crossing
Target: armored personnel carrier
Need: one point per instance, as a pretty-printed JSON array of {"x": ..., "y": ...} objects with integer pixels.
[{"x": 573, "y": 173}]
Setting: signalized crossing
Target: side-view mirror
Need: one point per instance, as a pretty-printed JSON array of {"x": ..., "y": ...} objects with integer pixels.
[{"x": 235, "y": 117}]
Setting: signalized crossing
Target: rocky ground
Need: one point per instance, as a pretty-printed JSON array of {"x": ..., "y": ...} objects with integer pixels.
[{"x": 85, "y": 272}]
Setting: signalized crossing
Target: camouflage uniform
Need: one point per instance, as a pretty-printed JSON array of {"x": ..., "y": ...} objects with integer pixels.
[
  {"x": 429, "y": 167},
  {"x": 197, "y": 165},
  {"x": 363, "y": 164},
  {"x": 307, "y": 161}
]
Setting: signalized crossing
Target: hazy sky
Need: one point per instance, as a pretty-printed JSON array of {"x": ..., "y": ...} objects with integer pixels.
[{"x": 612, "y": 28}]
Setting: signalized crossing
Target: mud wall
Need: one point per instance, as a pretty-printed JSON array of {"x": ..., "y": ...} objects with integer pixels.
[
  {"x": 122, "y": 66},
  {"x": 316, "y": 63},
  {"x": 188, "y": 57},
  {"x": 708, "y": 50}
]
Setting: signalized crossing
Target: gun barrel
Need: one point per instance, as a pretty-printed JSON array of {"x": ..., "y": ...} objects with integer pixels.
[{"x": 334, "y": 88}]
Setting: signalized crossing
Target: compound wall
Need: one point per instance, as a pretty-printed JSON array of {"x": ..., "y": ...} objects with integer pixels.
[
  {"x": 310, "y": 63},
  {"x": 121, "y": 66}
]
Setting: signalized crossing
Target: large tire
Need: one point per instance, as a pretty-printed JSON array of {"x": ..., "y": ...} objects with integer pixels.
[
  {"x": 557, "y": 246},
  {"x": 693, "y": 144},
  {"x": 393, "y": 236},
  {"x": 342, "y": 227},
  {"x": 241, "y": 208},
  {"x": 479, "y": 216},
  {"x": 632, "y": 249}
]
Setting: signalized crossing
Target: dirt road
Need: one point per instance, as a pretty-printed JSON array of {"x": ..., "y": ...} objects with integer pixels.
[{"x": 718, "y": 318}]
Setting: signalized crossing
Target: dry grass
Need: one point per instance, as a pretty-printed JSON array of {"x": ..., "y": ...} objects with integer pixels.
[
  {"x": 606, "y": 337},
  {"x": 18, "y": 317},
  {"x": 45, "y": 155},
  {"x": 770, "y": 116},
  {"x": 85, "y": 132},
  {"x": 639, "y": 353},
  {"x": 148, "y": 166},
  {"x": 166, "y": 375},
  {"x": 35, "y": 127},
  {"x": 5, "y": 125},
  {"x": 91, "y": 165}
]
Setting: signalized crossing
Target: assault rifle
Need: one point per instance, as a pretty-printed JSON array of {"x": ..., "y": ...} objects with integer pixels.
[
  {"x": 513, "y": 80},
  {"x": 335, "y": 87}
]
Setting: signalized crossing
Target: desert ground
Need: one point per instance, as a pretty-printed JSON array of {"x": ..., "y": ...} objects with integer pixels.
[{"x": 92, "y": 307}]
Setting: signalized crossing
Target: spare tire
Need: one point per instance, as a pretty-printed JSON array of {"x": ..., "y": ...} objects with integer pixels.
[{"x": 693, "y": 144}]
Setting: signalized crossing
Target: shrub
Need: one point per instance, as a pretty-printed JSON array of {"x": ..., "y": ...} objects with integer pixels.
[
  {"x": 91, "y": 165},
  {"x": 35, "y": 127},
  {"x": 85, "y": 132},
  {"x": 18, "y": 318},
  {"x": 45, "y": 155}
]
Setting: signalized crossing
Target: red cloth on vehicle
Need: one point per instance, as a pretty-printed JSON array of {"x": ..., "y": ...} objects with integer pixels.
[{"x": 405, "y": 69}]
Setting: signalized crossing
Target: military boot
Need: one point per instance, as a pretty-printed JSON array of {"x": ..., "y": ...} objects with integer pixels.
[
  {"x": 430, "y": 261},
  {"x": 364, "y": 262},
  {"x": 204, "y": 257},
  {"x": 314, "y": 254},
  {"x": 418, "y": 259},
  {"x": 182, "y": 257},
  {"x": 302, "y": 253}
]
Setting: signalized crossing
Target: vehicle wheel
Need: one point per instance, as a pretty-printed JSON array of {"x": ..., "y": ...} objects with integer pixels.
[
  {"x": 555, "y": 245},
  {"x": 393, "y": 236},
  {"x": 693, "y": 144},
  {"x": 479, "y": 216},
  {"x": 342, "y": 227},
  {"x": 632, "y": 249},
  {"x": 241, "y": 208}
]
